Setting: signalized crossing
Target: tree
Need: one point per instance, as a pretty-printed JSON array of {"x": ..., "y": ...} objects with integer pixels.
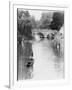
[
  {"x": 24, "y": 24},
  {"x": 33, "y": 22},
  {"x": 58, "y": 21},
  {"x": 21, "y": 14},
  {"x": 45, "y": 20}
]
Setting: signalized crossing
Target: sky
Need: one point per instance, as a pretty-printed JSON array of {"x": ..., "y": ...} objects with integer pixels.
[{"x": 37, "y": 13}]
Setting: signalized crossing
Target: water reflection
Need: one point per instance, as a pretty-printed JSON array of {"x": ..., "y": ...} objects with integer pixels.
[
  {"x": 39, "y": 59},
  {"x": 47, "y": 65}
]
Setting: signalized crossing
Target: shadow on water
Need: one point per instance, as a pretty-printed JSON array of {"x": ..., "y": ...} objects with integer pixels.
[
  {"x": 24, "y": 61},
  {"x": 59, "y": 61},
  {"x": 7, "y": 86}
]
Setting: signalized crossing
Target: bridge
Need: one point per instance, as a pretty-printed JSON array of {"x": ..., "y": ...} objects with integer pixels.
[{"x": 43, "y": 32}]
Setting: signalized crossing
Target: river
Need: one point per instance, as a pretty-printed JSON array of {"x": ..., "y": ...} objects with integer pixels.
[{"x": 46, "y": 64}]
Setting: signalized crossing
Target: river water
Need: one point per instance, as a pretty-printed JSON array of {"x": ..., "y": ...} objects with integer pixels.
[{"x": 46, "y": 64}]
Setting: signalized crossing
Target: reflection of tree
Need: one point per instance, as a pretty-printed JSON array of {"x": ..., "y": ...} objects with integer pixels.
[{"x": 59, "y": 41}]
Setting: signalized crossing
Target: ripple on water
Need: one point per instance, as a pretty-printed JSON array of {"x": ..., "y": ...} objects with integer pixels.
[{"x": 46, "y": 64}]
